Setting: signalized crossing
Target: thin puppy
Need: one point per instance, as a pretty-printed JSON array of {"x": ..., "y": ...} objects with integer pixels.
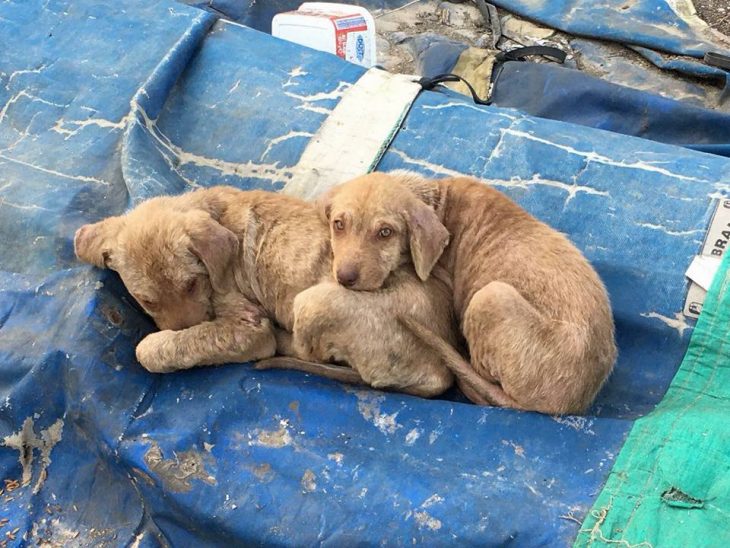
[{"x": 535, "y": 315}]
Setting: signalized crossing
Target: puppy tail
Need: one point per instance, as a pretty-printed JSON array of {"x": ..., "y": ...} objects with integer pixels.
[
  {"x": 477, "y": 389},
  {"x": 335, "y": 372}
]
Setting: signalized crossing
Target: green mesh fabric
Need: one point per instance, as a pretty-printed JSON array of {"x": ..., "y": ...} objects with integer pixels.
[{"x": 670, "y": 485}]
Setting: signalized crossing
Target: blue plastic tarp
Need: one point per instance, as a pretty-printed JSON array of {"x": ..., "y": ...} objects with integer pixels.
[
  {"x": 653, "y": 28},
  {"x": 558, "y": 93},
  {"x": 104, "y": 105},
  {"x": 663, "y": 25},
  {"x": 258, "y": 15}
]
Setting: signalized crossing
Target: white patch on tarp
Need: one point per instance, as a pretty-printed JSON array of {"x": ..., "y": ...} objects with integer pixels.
[
  {"x": 356, "y": 134},
  {"x": 368, "y": 404},
  {"x": 669, "y": 231},
  {"x": 413, "y": 435},
  {"x": 433, "y": 499},
  {"x": 52, "y": 532},
  {"x": 307, "y": 100},
  {"x": 571, "y": 189},
  {"x": 309, "y": 483},
  {"x": 435, "y": 433},
  {"x": 518, "y": 449},
  {"x": 176, "y": 473},
  {"x": 276, "y": 140},
  {"x": 275, "y": 439},
  {"x": 423, "y": 518},
  {"x": 296, "y": 72},
  {"x": 678, "y": 322},
  {"x": 591, "y": 156},
  {"x": 26, "y": 442},
  {"x": 137, "y": 540},
  {"x": 581, "y": 424}
]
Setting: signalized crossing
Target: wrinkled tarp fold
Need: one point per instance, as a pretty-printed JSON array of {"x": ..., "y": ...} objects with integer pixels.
[
  {"x": 105, "y": 105},
  {"x": 558, "y": 93}
]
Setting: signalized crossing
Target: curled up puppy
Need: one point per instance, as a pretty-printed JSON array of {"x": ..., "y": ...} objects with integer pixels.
[
  {"x": 533, "y": 312},
  {"x": 231, "y": 275}
]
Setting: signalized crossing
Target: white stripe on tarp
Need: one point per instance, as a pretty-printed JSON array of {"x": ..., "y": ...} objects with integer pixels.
[{"x": 353, "y": 139}]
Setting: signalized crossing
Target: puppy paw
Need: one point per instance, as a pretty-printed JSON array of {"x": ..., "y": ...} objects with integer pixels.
[{"x": 156, "y": 352}]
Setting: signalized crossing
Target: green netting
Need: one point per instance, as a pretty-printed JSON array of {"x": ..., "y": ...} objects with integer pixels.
[{"x": 670, "y": 485}]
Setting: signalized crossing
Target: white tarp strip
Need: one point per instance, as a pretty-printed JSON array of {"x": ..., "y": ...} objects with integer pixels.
[{"x": 355, "y": 136}]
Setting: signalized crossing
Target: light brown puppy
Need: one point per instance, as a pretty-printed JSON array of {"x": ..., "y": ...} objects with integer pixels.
[
  {"x": 223, "y": 272},
  {"x": 535, "y": 315},
  {"x": 334, "y": 324}
]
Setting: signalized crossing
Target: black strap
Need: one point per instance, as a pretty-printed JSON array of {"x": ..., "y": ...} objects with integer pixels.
[
  {"x": 519, "y": 54},
  {"x": 719, "y": 60},
  {"x": 430, "y": 83}
]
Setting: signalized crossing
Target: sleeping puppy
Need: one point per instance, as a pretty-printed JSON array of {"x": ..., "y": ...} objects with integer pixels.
[
  {"x": 535, "y": 315},
  {"x": 229, "y": 275}
]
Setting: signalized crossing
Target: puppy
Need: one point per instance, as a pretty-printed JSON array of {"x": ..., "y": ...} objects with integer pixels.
[
  {"x": 336, "y": 325},
  {"x": 228, "y": 275},
  {"x": 535, "y": 315}
]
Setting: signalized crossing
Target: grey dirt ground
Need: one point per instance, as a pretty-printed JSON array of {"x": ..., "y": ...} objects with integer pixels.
[{"x": 715, "y": 13}]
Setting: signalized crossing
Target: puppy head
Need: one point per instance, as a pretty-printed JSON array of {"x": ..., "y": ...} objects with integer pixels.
[
  {"x": 379, "y": 222},
  {"x": 170, "y": 260}
]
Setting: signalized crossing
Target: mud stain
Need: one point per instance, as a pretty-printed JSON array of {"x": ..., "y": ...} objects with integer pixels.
[
  {"x": 309, "y": 483},
  {"x": 263, "y": 472},
  {"x": 26, "y": 442},
  {"x": 275, "y": 439},
  {"x": 177, "y": 473}
]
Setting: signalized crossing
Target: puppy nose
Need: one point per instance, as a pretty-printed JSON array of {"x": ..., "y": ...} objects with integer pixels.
[{"x": 347, "y": 277}]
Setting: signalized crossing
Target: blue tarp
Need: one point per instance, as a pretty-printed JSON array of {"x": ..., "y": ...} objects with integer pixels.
[
  {"x": 558, "y": 93},
  {"x": 653, "y": 28},
  {"x": 104, "y": 105},
  {"x": 655, "y": 24},
  {"x": 258, "y": 15}
]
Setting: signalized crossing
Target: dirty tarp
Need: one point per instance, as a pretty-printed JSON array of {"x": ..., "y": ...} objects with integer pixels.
[
  {"x": 644, "y": 28},
  {"x": 258, "y": 15},
  {"x": 651, "y": 27},
  {"x": 558, "y": 93},
  {"x": 662, "y": 25},
  {"x": 104, "y": 105}
]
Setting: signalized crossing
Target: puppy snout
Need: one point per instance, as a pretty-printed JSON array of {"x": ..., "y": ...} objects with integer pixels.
[{"x": 347, "y": 276}]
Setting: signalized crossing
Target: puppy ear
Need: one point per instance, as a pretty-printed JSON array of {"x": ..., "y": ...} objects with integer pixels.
[
  {"x": 96, "y": 243},
  {"x": 426, "y": 190},
  {"x": 215, "y": 246},
  {"x": 324, "y": 204},
  {"x": 428, "y": 238}
]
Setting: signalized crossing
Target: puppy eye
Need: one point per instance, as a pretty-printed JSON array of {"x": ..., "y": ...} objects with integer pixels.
[
  {"x": 385, "y": 232},
  {"x": 191, "y": 286},
  {"x": 338, "y": 225}
]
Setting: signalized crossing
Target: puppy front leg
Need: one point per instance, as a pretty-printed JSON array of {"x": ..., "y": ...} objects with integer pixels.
[{"x": 209, "y": 343}]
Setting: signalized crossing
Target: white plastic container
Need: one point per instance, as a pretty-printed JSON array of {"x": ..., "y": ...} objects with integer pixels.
[{"x": 344, "y": 30}]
